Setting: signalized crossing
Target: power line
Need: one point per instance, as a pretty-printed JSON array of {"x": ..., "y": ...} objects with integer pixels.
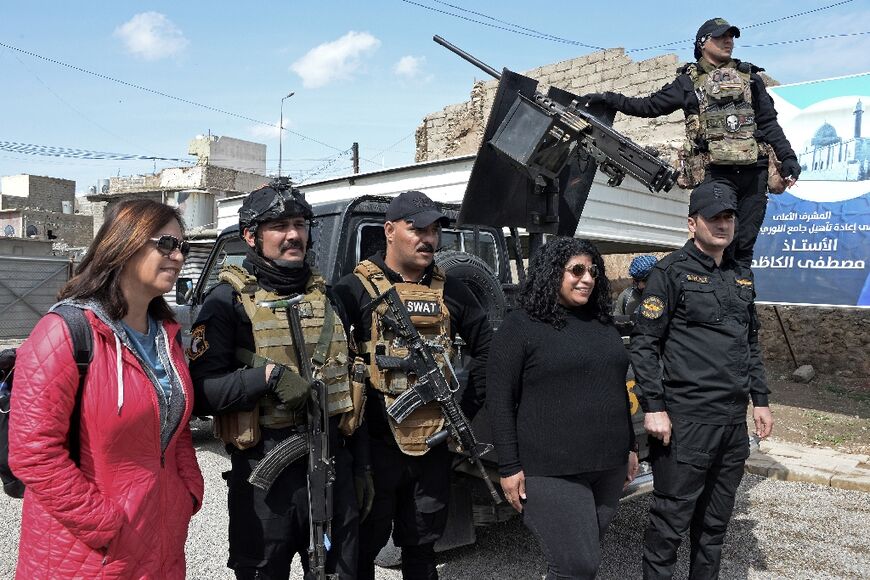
[
  {"x": 391, "y": 147},
  {"x": 516, "y": 29},
  {"x": 790, "y": 41},
  {"x": 162, "y": 94},
  {"x": 744, "y": 27}
]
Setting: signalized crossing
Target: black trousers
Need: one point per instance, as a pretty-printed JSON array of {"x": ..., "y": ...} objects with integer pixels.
[
  {"x": 411, "y": 494},
  {"x": 569, "y": 515},
  {"x": 695, "y": 481},
  {"x": 750, "y": 182},
  {"x": 268, "y": 529}
]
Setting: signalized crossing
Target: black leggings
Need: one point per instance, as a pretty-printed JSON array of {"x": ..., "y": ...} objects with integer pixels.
[{"x": 569, "y": 516}]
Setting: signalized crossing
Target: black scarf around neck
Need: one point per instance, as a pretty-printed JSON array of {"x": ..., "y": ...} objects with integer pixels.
[{"x": 284, "y": 280}]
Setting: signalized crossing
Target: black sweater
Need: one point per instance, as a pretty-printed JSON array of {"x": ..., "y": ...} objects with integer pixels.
[{"x": 556, "y": 398}]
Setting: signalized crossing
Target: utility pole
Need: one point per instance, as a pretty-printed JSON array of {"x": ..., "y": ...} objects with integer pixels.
[{"x": 355, "y": 149}]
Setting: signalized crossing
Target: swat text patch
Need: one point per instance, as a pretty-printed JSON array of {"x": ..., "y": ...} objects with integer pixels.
[
  {"x": 698, "y": 279},
  {"x": 423, "y": 307}
]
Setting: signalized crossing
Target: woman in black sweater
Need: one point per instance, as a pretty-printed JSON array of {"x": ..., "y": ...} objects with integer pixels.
[{"x": 559, "y": 408}]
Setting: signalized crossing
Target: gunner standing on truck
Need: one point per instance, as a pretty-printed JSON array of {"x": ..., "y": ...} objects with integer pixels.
[{"x": 731, "y": 127}]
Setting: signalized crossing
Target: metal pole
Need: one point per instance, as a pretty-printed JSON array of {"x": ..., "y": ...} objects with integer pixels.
[
  {"x": 355, "y": 148},
  {"x": 281, "y": 132},
  {"x": 785, "y": 336}
]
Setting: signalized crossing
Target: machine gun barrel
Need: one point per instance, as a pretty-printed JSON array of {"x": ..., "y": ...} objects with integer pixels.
[
  {"x": 540, "y": 134},
  {"x": 476, "y": 62}
]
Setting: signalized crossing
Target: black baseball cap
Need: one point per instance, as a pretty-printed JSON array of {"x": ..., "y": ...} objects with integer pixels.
[
  {"x": 714, "y": 27},
  {"x": 415, "y": 207},
  {"x": 711, "y": 198}
]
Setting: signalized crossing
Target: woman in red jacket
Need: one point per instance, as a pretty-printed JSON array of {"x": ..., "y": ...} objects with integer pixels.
[{"x": 124, "y": 509}]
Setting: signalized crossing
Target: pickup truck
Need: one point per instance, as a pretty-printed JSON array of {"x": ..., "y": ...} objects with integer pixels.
[{"x": 345, "y": 232}]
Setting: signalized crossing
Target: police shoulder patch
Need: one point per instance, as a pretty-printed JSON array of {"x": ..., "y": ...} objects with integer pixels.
[
  {"x": 744, "y": 282},
  {"x": 697, "y": 278},
  {"x": 652, "y": 307},
  {"x": 198, "y": 343}
]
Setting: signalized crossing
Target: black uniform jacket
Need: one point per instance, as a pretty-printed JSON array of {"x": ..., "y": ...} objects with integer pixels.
[
  {"x": 467, "y": 318},
  {"x": 695, "y": 347},
  {"x": 680, "y": 94}
]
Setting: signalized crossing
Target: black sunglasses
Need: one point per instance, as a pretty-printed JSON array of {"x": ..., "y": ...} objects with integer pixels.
[
  {"x": 579, "y": 270},
  {"x": 167, "y": 244}
]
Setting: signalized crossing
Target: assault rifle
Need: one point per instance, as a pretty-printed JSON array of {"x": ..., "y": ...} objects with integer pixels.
[
  {"x": 315, "y": 440},
  {"x": 430, "y": 385},
  {"x": 540, "y": 133}
]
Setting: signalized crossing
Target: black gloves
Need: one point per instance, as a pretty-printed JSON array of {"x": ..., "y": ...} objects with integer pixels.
[
  {"x": 290, "y": 388},
  {"x": 790, "y": 168},
  {"x": 365, "y": 491},
  {"x": 596, "y": 99}
]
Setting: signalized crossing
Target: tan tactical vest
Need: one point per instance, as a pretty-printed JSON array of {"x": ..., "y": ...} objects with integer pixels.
[
  {"x": 431, "y": 318},
  {"x": 726, "y": 122},
  {"x": 325, "y": 343}
]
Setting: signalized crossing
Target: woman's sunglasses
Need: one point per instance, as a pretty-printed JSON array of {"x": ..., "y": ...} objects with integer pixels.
[
  {"x": 167, "y": 244},
  {"x": 579, "y": 270}
]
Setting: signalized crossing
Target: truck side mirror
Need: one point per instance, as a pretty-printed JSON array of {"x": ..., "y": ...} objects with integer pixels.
[{"x": 183, "y": 290}]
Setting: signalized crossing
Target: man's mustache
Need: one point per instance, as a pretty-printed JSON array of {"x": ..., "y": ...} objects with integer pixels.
[
  {"x": 426, "y": 247},
  {"x": 291, "y": 245}
]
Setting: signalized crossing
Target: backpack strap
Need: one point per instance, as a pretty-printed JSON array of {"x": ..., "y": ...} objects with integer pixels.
[
  {"x": 82, "y": 338},
  {"x": 83, "y": 352}
]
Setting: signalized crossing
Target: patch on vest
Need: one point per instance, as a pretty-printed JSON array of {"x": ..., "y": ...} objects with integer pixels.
[
  {"x": 744, "y": 282},
  {"x": 198, "y": 343},
  {"x": 423, "y": 307},
  {"x": 652, "y": 307},
  {"x": 698, "y": 279}
]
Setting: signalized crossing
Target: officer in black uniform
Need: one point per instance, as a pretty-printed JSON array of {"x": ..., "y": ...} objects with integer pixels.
[
  {"x": 730, "y": 122},
  {"x": 267, "y": 529},
  {"x": 411, "y": 491},
  {"x": 698, "y": 319}
]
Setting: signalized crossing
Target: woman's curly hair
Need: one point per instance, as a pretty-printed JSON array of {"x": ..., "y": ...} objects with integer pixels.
[{"x": 540, "y": 294}]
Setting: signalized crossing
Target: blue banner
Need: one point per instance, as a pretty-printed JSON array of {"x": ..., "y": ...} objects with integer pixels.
[{"x": 814, "y": 244}]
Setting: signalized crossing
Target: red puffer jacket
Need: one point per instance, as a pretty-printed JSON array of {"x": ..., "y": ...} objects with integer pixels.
[{"x": 124, "y": 512}]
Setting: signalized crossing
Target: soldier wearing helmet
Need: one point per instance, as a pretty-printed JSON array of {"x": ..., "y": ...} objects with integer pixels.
[
  {"x": 732, "y": 133},
  {"x": 629, "y": 299},
  {"x": 246, "y": 375}
]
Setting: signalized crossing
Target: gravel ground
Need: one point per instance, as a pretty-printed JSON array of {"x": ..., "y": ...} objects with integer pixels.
[{"x": 780, "y": 530}]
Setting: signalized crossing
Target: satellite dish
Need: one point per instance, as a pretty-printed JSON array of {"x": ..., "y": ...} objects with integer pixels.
[
  {"x": 9, "y": 231},
  {"x": 32, "y": 231}
]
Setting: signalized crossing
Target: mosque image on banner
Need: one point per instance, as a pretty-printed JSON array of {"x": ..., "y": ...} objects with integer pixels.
[{"x": 814, "y": 244}]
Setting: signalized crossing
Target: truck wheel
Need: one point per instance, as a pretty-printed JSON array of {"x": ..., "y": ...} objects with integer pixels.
[{"x": 479, "y": 278}]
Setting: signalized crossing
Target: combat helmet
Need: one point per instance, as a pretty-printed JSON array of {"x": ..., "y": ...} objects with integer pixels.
[{"x": 273, "y": 201}]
